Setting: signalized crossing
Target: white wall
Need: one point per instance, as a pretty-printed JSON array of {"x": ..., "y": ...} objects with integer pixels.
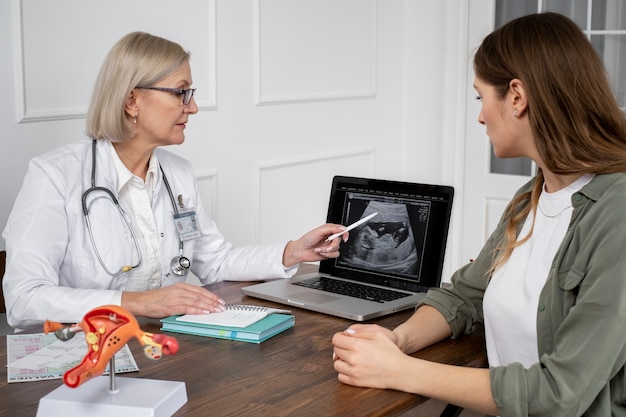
[{"x": 291, "y": 92}]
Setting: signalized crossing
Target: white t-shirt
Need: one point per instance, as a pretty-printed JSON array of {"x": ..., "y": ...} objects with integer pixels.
[{"x": 511, "y": 299}]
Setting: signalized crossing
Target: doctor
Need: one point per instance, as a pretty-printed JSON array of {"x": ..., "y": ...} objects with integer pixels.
[{"x": 119, "y": 220}]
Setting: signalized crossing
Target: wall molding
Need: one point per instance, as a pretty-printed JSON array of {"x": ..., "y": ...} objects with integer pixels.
[
  {"x": 24, "y": 114},
  {"x": 263, "y": 98},
  {"x": 286, "y": 163},
  {"x": 207, "y": 182}
]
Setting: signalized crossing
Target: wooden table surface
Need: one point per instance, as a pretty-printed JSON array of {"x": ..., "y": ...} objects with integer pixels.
[{"x": 290, "y": 374}]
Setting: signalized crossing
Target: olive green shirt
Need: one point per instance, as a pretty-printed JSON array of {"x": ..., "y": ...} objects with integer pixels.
[{"x": 581, "y": 315}]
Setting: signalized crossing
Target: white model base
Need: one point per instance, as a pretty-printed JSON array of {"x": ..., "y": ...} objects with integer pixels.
[{"x": 134, "y": 397}]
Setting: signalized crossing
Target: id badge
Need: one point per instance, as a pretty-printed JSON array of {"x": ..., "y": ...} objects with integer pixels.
[{"x": 186, "y": 225}]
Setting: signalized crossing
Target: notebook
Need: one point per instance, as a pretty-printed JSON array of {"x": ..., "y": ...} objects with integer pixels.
[
  {"x": 235, "y": 315},
  {"x": 257, "y": 332},
  {"x": 392, "y": 259}
]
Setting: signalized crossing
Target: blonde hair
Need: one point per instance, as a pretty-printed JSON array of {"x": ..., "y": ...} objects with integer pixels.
[
  {"x": 138, "y": 58},
  {"x": 577, "y": 124}
]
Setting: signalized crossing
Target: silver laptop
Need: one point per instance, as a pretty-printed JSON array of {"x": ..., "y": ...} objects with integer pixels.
[{"x": 388, "y": 263}]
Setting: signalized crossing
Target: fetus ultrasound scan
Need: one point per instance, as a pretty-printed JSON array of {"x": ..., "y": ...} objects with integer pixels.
[{"x": 392, "y": 241}]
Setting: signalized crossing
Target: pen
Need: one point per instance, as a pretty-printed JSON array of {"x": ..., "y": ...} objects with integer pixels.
[{"x": 352, "y": 226}]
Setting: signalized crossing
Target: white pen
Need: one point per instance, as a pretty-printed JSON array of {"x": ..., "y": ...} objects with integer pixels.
[{"x": 352, "y": 226}]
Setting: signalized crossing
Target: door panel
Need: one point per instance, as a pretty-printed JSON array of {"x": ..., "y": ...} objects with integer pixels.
[{"x": 486, "y": 193}]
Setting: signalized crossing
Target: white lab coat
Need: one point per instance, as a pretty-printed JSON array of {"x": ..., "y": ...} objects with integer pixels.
[{"x": 52, "y": 271}]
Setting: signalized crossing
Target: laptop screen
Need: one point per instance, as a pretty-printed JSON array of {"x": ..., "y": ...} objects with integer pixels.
[{"x": 403, "y": 246}]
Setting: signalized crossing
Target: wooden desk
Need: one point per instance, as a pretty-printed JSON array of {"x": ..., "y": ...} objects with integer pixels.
[{"x": 289, "y": 375}]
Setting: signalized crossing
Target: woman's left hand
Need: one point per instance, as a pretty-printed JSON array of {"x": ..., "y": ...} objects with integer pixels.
[{"x": 313, "y": 247}]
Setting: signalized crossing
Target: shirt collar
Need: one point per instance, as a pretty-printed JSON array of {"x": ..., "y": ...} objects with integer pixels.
[
  {"x": 600, "y": 184},
  {"x": 124, "y": 175}
]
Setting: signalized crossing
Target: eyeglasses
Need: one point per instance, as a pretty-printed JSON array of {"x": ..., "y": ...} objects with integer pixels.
[{"x": 186, "y": 93}]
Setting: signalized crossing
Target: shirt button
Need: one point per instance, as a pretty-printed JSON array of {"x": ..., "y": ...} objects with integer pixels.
[{"x": 541, "y": 307}]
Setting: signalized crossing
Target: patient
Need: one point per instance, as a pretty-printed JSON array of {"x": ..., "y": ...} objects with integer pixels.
[{"x": 549, "y": 285}]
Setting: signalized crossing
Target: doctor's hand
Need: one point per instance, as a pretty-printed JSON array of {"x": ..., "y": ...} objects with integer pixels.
[
  {"x": 367, "y": 356},
  {"x": 313, "y": 247},
  {"x": 180, "y": 298}
]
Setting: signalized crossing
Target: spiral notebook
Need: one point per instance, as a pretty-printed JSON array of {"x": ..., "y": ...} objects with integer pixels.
[{"x": 235, "y": 315}]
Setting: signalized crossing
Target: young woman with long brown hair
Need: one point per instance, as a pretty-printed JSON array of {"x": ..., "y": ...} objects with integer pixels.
[{"x": 549, "y": 285}]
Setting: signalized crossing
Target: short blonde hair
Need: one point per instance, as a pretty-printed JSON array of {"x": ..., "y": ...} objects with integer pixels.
[{"x": 138, "y": 58}]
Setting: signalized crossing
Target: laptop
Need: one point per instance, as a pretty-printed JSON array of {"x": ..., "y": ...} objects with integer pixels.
[{"x": 388, "y": 263}]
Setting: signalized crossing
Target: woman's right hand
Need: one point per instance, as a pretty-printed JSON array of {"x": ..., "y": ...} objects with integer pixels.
[{"x": 180, "y": 298}]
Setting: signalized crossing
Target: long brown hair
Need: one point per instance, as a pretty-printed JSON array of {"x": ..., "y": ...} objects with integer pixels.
[{"x": 577, "y": 124}]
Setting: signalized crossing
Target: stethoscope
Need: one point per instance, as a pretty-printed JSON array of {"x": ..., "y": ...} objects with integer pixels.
[{"x": 179, "y": 264}]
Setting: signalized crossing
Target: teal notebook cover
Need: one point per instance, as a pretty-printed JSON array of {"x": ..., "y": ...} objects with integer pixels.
[{"x": 257, "y": 332}]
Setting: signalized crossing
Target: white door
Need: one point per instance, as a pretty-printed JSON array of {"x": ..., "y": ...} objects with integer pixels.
[{"x": 486, "y": 190}]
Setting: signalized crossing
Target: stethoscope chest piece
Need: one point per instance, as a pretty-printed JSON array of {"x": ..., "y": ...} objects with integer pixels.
[{"x": 180, "y": 265}]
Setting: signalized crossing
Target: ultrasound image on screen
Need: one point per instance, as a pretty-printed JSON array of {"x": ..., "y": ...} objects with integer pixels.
[{"x": 392, "y": 241}]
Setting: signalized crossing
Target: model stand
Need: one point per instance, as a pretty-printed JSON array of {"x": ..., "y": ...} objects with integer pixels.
[{"x": 87, "y": 393}]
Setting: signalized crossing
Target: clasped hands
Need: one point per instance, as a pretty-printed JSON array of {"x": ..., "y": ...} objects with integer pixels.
[{"x": 366, "y": 355}]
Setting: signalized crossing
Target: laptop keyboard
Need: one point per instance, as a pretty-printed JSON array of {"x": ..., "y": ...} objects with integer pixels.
[{"x": 351, "y": 289}]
